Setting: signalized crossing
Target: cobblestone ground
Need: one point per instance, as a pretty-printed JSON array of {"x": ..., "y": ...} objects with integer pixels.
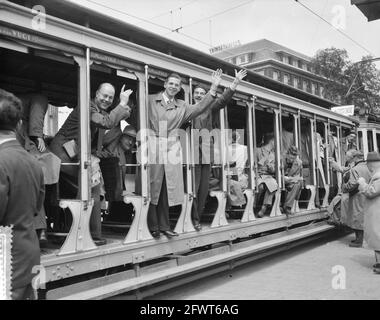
[{"x": 307, "y": 272}]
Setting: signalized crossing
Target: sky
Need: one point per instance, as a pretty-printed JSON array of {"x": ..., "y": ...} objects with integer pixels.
[{"x": 287, "y": 22}]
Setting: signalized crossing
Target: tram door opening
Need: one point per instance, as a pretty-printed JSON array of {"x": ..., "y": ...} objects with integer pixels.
[
  {"x": 237, "y": 159},
  {"x": 320, "y": 161},
  {"x": 306, "y": 155},
  {"x": 156, "y": 85},
  {"x": 265, "y": 157},
  {"x": 116, "y": 150},
  {"x": 47, "y": 84}
]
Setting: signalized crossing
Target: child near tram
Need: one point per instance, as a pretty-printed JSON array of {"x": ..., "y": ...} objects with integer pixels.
[{"x": 372, "y": 212}]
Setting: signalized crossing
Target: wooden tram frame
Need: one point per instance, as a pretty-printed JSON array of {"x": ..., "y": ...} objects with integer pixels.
[{"x": 79, "y": 255}]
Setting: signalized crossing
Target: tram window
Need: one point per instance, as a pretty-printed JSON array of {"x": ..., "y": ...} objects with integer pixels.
[
  {"x": 378, "y": 141},
  {"x": 237, "y": 155},
  {"x": 360, "y": 138},
  {"x": 370, "y": 141},
  {"x": 306, "y": 150}
]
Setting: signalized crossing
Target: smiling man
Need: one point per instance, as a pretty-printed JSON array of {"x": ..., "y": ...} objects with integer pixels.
[
  {"x": 166, "y": 114},
  {"x": 100, "y": 119}
]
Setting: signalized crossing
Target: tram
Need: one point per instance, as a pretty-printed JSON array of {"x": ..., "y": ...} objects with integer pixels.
[{"x": 74, "y": 51}]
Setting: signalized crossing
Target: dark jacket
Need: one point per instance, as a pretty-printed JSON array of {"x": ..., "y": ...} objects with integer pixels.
[{"x": 21, "y": 197}]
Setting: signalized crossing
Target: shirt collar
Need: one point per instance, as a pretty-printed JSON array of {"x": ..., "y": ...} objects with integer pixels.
[{"x": 166, "y": 98}]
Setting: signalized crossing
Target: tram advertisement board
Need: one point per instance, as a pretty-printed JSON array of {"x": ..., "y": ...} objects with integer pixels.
[
  {"x": 5, "y": 262},
  {"x": 344, "y": 110}
]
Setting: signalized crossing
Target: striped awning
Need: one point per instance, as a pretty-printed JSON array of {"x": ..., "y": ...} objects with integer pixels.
[{"x": 370, "y": 8}]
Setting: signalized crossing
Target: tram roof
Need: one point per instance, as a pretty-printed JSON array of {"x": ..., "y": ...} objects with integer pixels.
[
  {"x": 370, "y": 8},
  {"x": 83, "y": 16}
]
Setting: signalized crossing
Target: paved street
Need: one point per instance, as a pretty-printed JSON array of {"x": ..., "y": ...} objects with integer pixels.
[{"x": 303, "y": 273}]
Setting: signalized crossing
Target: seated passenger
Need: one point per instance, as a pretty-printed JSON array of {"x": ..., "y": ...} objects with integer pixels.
[
  {"x": 238, "y": 179},
  {"x": 292, "y": 178},
  {"x": 65, "y": 143},
  {"x": 118, "y": 150},
  {"x": 30, "y": 135},
  {"x": 267, "y": 184}
]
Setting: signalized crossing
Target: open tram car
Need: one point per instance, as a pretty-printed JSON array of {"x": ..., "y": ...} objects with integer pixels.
[{"x": 75, "y": 51}]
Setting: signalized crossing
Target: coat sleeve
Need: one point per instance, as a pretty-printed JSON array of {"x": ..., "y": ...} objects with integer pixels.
[
  {"x": 352, "y": 181},
  {"x": 195, "y": 110},
  {"x": 110, "y": 120},
  {"x": 222, "y": 101},
  {"x": 372, "y": 190},
  {"x": 38, "y": 108},
  {"x": 4, "y": 191}
]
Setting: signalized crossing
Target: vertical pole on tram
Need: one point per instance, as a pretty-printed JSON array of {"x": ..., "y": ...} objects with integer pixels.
[
  {"x": 184, "y": 222},
  {"x": 139, "y": 229},
  {"x": 326, "y": 167},
  {"x": 314, "y": 186},
  {"x": 296, "y": 208},
  {"x": 220, "y": 214},
  {"x": 79, "y": 237},
  {"x": 340, "y": 161},
  {"x": 276, "y": 205}
]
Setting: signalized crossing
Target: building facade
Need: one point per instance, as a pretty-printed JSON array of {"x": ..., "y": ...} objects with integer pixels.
[{"x": 277, "y": 62}]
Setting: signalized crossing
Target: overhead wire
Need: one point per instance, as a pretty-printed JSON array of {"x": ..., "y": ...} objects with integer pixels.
[
  {"x": 155, "y": 24},
  {"x": 340, "y": 31},
  {"x": 212, "y": 16},
  {"x": 173, "y": 10}
]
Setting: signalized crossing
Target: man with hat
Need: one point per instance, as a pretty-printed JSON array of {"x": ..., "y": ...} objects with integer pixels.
[
  {"x": 118, "y": 148},
  {"x": 292, "y": 178},
  {"x": 372, "y": 212},
  {"x": 353, "y": 202}
]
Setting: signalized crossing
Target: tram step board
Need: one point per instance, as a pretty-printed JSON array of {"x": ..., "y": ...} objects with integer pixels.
[{"x": 106, "y": 290}]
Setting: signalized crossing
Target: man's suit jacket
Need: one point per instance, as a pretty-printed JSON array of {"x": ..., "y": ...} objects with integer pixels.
[{"x": 22, "y": 193}]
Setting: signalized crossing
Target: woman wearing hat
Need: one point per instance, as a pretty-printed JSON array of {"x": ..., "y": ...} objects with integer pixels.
[{"x": 372, "y": 211}]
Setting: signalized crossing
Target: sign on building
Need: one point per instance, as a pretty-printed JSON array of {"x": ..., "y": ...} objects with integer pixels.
[
  {"x": 344, "y": 110},
  {"x": 225, "y": 46}
]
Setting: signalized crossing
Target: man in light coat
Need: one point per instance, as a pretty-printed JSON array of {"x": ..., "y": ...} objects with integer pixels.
[
  {"x": 166, "y": 114},
  {"x": 354, "y": 205},
  {"x": 372, "y": 212}
]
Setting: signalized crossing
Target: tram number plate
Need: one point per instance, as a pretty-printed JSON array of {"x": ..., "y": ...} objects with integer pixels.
[{"x": 5, "y": 262}]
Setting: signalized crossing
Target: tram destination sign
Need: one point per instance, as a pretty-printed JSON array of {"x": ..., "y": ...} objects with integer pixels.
[
  {"x": 30, "y": 38},
  {"x": 5, "y": 262},
  {"x": 344, "y": 110}
]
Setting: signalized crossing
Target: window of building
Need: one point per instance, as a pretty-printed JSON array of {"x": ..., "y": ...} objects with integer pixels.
[
  {"x": 241, "y": 59},
  {"x": 313, "y": 88},
  {"x": 299, "y": 64},
  {"x": 308, "y": 67},
  {"x": 234, "y": 60},
  {"x": 290, "y": 60},
  {"x": 275, "y": 75},
  {"x": 286, "y": 78},
  {"x": 304, "y": 85}
]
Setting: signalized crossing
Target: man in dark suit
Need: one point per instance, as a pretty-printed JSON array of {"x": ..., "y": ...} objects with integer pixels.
[{"x": 21, "y": 177}]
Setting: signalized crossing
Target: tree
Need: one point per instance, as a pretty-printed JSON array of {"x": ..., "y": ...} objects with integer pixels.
[{"x": 347, "y": 82}]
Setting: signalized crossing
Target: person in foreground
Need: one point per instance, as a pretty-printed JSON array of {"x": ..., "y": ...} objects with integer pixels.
[
  {"x": 372, "y": 212},
  {"x": 21, "y": 177}
]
